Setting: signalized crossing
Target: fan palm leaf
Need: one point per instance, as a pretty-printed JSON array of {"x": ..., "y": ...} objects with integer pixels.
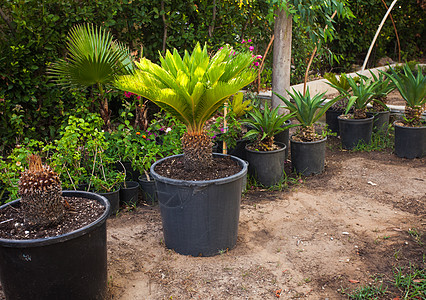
[{"x": 93, "y": 58}]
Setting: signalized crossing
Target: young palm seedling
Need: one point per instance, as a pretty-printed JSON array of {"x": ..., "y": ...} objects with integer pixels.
[
  {"x": 264, "y": 126},
  {"x": 413, "y": 91},
  {"x": 307, "y": 111},
  {"x": 361, "y": 94}
]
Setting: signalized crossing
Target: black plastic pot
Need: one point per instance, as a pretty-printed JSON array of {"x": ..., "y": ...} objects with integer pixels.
[
  {"x": 267, "y": 166},
  {"x": 200, "y": 218},
  {"x": 381, "y": 121},
  {"x": 114, "y": 200},
  {"x": 354, "y": 131},
  {"x": 129, "y": 193},
  {"x": 149, "y": 190},
  {"x": 69, "y": 266},
  {"x": 410, "y": 142},
  {"x": 308, "y": 157},
  {"x": 239, "y": 150},
  {"x": 284, "y": 137},
  {"x": 331, "y": 119}
]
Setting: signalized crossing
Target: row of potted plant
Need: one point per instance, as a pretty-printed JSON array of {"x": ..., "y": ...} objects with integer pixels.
[
  {"x": 356, "y": 121},
  {"x": 199, "y": 192}
]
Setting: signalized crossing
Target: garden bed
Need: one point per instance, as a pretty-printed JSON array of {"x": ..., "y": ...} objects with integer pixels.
[{"x": 342, "y": 230}]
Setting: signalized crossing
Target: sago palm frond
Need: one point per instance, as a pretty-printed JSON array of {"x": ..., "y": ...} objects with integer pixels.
[{"x": 191, "y": 87}]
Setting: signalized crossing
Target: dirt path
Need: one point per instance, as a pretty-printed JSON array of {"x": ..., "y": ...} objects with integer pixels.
[{"x": 310, "y": 241}]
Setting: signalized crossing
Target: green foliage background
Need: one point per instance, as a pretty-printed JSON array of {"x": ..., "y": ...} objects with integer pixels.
[{"x": 33, "y": 34}]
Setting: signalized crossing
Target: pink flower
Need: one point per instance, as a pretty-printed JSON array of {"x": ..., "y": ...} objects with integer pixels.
[
  {"x": 127, "y": 94},
  {"x": 256, "y": 63},
  {"x": 249, "y": 41},
  {"x": 259, "y": 57},
  {"x": 251, "y": 48},
  {"x": 139, "y": 97},
  {"x": 243, "y": 42}
]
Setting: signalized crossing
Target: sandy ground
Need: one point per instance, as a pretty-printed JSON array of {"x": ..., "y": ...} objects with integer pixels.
[{"x": 315, "y": 240}]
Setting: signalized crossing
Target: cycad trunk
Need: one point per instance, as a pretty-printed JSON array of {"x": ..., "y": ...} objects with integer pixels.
[
  {"x": 307, "y": 133},
  {"x": 377, "y": 106},
  {"x": 41, "y": 192},
  {"x": 413, "y": 114},
  {"x": 360, "y": 113},
  {"x": 197, "y": 151}
]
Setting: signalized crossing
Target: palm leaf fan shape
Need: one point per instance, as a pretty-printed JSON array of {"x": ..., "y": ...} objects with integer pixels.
[{"x": 93, "y": 58}]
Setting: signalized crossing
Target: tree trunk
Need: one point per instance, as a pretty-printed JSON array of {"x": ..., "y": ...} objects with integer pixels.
[{"x": 282, "y": 57}]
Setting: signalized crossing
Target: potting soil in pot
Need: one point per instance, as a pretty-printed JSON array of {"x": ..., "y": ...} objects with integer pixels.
[{"x": 82, "y": 212}]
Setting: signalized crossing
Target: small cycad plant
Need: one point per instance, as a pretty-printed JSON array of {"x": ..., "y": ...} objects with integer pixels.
[
  {"x": 413, "y": 91},
  {"x": 307, "y": 111},
  {"x": 264, "y": 125},
  {"x": 41, "y": 194},
  {"x": 192, "y": 88}
]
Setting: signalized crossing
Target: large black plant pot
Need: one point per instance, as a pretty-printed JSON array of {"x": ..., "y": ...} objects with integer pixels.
[
  {"x": 239, "y": 150},
  {"x": 410, "y": 142},
  {"x": 331, "y": 119},
  {"x": 69, "y": 266},
  {"x": 381, "y": 121},
  {"x": 354, "y": 131},
  {"x": 308, "y": 157},
  {"x": 200, "y": 218},
  {"x": 267, "y": 166},
  {"x": 284, "y": 137}
]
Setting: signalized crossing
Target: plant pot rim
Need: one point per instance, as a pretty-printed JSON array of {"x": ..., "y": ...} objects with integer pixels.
[
  {"x": 312, "y": 142},
  {"x": 282, "y": 145},
  {"x": 356, "y": 120},
  {"x": 408, "y": 127},
  {"x": 143, "y": 178},
  {"x": 198, "y": 183},
  {"x": 110, "y": 192},
  {"x": 378, "y": 112},
  {"x": 127, "y": 182},
  {"x": 66, "y": 236}
]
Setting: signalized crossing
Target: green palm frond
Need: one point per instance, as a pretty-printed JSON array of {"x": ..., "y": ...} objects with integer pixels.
[
  {"x": 265, "y": 124},
  {"x": 362, "y": 91},
  {"x": 93, "y": 58},
  {"x": 412, "y": 88},
  {"x": 191, "y": 87},
  {"x": 239, "y": 106},
  {"x": 307, "y": 109}
]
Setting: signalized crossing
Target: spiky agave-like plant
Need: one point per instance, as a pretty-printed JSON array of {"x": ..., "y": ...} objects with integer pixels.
[
  {"x": 192, "y": 88},
  {"x": 308, "y": 110},
  {"x": 413, "y": 91},
  {"x": 41, "y": 194}
]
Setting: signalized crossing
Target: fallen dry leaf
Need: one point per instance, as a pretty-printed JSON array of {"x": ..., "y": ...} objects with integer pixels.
[
  {"x": 418, "y": 280},
  {"x": 353, "y": 281}
]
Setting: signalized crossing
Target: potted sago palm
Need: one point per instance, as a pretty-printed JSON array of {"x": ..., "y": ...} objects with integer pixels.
[
  {"x": 410, "y": 133},
  {"x": 53, "y": 242},
  {"x": 340, "y": 104},
  {"x": 199, "y": 193},
  {"x": 379, "y": 108},
  {"x": 307, "y": 146},
  {"x": 265, "y": 156},
  {"x": 356, "y": 127}
]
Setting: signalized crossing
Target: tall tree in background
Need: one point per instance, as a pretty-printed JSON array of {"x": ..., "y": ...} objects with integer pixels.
[{"x": 315, "y": 18}]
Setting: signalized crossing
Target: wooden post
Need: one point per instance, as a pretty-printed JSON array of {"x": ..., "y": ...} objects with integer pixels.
[{"x": 225, "y": 126}]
